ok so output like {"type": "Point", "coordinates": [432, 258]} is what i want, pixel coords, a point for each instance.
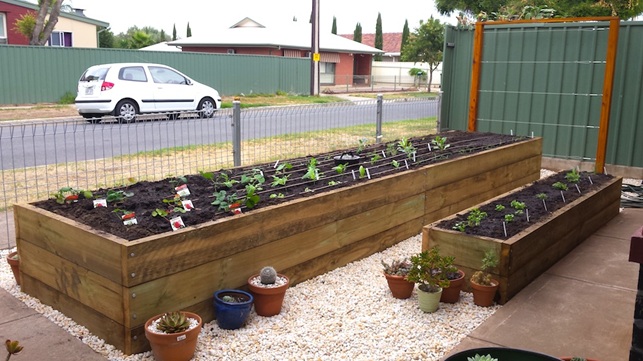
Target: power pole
{"type": "Point", "coordinates": [314, 50]}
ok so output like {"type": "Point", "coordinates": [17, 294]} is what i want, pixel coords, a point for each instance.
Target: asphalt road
{"type": "Point", "coordinates": [27, 144]}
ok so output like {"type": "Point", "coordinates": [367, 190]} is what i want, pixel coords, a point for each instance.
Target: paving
{"type": "Point", "coordinates": [583, 305]}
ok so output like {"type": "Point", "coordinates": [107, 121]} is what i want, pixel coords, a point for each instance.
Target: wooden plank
{"type": "Point", "coordinates": [62, 236]}
{"type": "Point", "coordinates": [476, 67]}
{"type": "Point", "coordinates": [78, 283]}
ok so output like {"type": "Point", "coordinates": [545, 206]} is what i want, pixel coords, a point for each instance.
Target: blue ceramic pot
{"type": "Point", "coordinates": [232, 315]}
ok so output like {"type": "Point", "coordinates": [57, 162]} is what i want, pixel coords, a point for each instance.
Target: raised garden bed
{"type": "Point", "coordinates": [112, 285]}
{"type": "Point", "coordinates": [528, 248]}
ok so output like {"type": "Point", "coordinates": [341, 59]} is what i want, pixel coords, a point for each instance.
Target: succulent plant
{"type": "Point", "coordinates": [489, 261]}
{"type": "Point", "coordinates": [481, 358]}
{"type": "Point", "coordinates": [268, 275]}
{"type": "Point", "coordinates": [173, 322]}
{"type": "Point", "coordinates": [397, 267]}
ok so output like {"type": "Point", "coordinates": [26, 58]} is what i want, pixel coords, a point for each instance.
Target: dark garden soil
{"type": "Point", "coordinates": [534, 208]}
{"type": "Point", "coordinates": [155, 204]}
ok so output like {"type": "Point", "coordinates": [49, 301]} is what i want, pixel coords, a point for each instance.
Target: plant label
{"type": "Point", "coordinates": [100, 203]}
{"type": "Point", "coordinates": [182, 190]}
{"type": "Point", "coordinates": [187, 205]}
{"type": "Point", "coordinates": [177, 223]}
{"type": "Point", "coordinates": [129, 222]}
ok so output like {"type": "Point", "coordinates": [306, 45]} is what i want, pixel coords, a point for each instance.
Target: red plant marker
{"type": "Point", "coordinates": [128, 216]}
{"type": "Point", "coordinates": [71, 197]}
{"type": "Point", "coordinates": [177, 224]}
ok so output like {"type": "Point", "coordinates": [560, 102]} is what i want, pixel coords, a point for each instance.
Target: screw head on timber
{"type": "Point", "coordinates": [133, 274]}
{"type": "Point", "coordinates": [133, 295]}
{"type": "Point", "coordinates": [133, 315]}
{"type": "Point", "coordinates": [132, 254]}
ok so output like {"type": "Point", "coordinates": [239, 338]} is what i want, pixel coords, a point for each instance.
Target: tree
{"type": "Point", "coordinates": [106, 39]}
{"type": "Point", "coordinates": [174, 32]}
{"type": "Point", "coordinates": [136, 38]}
{"type": "Point", "coordinates": [357, 34]}
{"type": "Point", "coordinates": [334, 28]}
{"type": "Point", "coordinates": [189, 31]}
{"type": "Point", "coordinates": [379, 38]}
{"type": "Point", "coordinates": [471, 7]}
{"type": "Point", "coordinates": [37, 26]}
{"type": "Point", "coordinates": [405, 36]}
{"type": "Point", "coordinates": [425, 45]}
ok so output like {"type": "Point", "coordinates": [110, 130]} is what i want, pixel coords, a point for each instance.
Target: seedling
{"type": "Point", "coordinates": [509, 217]}
{"type": "Point", "coordinates": [69, 194]}
{"type": "Point", "coordinates": [475, 217]}
{"type": "Point", "coordinates": [333, 183]}
{"type": "Point", "coordinates": [279, 181]}
{"type": "Point", "coordinates": [277, 195]}
{"type": "Point", "coordinates": [572, 176]}
{"type": "Point", "coordinates": [117, 196]}
{"type": "Point", "coordinates": [340, 168]}
{"type": "Point", "coordinates": [252, 198]}
{"type": "Point", "coordinates": [405, 146]}
{"type": "Point", "coordinates": [391, 150]}
{"type": "Point", "coordinates": [395, 163]}
{"type": "Point", "coordinates": [177, 181]}
{"type": "Point", "coordinates": [560, 186]}
{"type": "Point", "coordinates": [362, 171]}
{"type": "Point", "coordinates": [255, 177]}
{"type": "Point", "coordinates": [460, 226]}
{"type": "Point", "coordinates": [312, 172]}
{"type": "Point", "coordinates": [499, 207]}
{"type": "Point", "coordinates": [542, 197]}
{"type": "Point", "coordinates": [362, 144]}
{"type": "Point", "coordinates": [282, 167]}
{"type": "Point", "coordinates": [518, 206]}
{"type": "Point", "coordinates": [223, 200]}
{"type": "Point", "coordinates": [375, 158]}
{"type": "Point", "coordinates": [440, 142]}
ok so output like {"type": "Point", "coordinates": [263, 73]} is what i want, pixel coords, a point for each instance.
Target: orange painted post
{"type": "Point", "coordinates": [475, 77]}
{"type": "Point", "coordinates": [606, 102]}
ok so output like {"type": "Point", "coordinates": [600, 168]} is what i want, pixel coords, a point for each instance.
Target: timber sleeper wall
{"type": "Point", "coordinates": [112, 286]}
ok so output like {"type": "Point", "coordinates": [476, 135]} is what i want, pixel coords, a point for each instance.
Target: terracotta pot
{"type": "Point", "coordinates": [175, 346]}
{"type": "Point", "coordinates": [484, 295]}
{"type": "Point", "coordinates": [451, 294]}
{"type": "Point", "coordinates": [15, 266]}
{"type": "Point", "coordinates": [399, 286]}
{"type": "Point", "coordinates": [429, 301]}
{"type": "Point", "coordinates": [268, 300]}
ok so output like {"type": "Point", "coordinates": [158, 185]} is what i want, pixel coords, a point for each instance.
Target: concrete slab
{"type": "Point", "coordinates": [561, 316]}
{"type": "Point", "coordinates": [623, 225]}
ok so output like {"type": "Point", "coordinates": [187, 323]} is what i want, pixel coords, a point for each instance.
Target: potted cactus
{"type": "Point", "coordinates": [428, 272]}
{"type": "Point", "coordinates": [232, 308]}
{"type": "Point", "coordinates": [173, 335]}
{"type": "Point", "coordinates": [483, 286]}
{"type": "Point", "coordinates": [268, 288]}
{"type": "Point", "coordinates": [395, 273]}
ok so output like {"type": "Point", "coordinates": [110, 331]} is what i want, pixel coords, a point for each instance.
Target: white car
{"type": "Point", "coordinates": [127, 89]}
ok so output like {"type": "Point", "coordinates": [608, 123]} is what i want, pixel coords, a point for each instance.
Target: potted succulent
{"type": "Point", "coordinates": [14, 261]}
{"type": "Point", "coordinates": [232, 308]}
{"type": "Point", "coordinates": [427, 271]}
{"type": "Point", "coordinates": [577, 358]}
{"type": "Point", "coordinates": [499, 354]}
{"type": "Point", "coordinates": [451, 294]}
{"type": "Point", "coordinates": [173, 335]}
{"type": "Point", "coordinates": [483, 286]}
{"type": "Point", "coordinates": [395, 273]}
{"type": "Point", "coordinates": [268, 288]}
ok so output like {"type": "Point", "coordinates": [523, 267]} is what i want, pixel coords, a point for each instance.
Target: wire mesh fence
{"type": "Point", "coordinates": [40, 157]}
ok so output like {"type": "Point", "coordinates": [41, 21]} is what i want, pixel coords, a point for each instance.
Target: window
{"type": "Point", "coordinates": [3, 28]}
{"type": "Point", "coordinates": [326, 73]}
{"type": "Point", "coordinates": [166, 76]}
{"type": "Point", "coordinates": [60, 38]}
{"type": "Point", "coordinates": [133, 73]}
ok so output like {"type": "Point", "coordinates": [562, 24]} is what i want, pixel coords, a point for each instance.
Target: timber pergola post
{"type": "Point", "coordinates": [608, 80]}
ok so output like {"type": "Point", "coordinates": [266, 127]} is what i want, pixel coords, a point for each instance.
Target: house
{"type": "Point", "coordinates": [391, 44]}
{"type": "Point", "coordinates": [162, 46]}
{"type": "Point", "coordinates": [342, 61]}
{"type": "Point", "coordinates": [73, 29]}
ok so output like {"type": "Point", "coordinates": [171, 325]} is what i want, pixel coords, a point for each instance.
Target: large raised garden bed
{"type": "Point", "coordinates": [529, 248]}
{"type": "Point", "coordinates": [112, 285]}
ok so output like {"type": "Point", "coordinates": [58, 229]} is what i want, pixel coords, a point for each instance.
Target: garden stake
{"type": "Point", "coordinates": [406, 163]}
{"type": "Point", "coordinates": [353, 173]}
{"type": "Point", "coordinates": [276, 163]}
{"type": "Point", "coordinates": [413, 157]}
{"type": "Point", "coordinates": [590, 180]}
{"type": "Point", "coordinates": [504, 228]}
{"type": "Point", "coordinates": [429, 144]}
{"type": "Point", "coordinates": [532, 134]}
{"type": "Point", "coordinates": [527, 213]}
{"type": "Point", "coordinates": [545, 205]}
{"type": "Point", "coordinates": [383, 154]}
{"type": "Point", "coordinates": [562, 195]}
{"type": "Point", "coordinates": [578, 189]}
{"type": "Point", "coordinates": [511, 132]}
{"type": "Point", "coordinates": [368, 174]}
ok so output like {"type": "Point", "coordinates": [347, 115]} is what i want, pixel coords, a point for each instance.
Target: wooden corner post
{"type": "Point", "coordinates": [475, 77]}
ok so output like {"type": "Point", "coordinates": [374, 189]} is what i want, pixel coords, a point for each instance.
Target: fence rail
{"type": "Point", "coordinates": [39, 157]}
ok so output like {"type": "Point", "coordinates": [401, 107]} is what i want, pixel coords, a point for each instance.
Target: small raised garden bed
{"type": "Point", "coordinates": [527, 248]}
{"type": "Point", "coordinates": [111, 278]}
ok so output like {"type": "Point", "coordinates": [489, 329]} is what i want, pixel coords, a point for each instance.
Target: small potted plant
{"type": "Point", "coordinates": [483, 286]}
{"type": "Point", "coordinates": [14, 261]}
{"type": "Point", "coordinates": [451, 294]}
{"type": "Point", "coordinates": [268, 288]}
{"type": "Point", "coordinates": [427, 271]}
{"type": "Point", "coordinates": [395, 273]}
{"type": "Point", "coordinates": [232, 308]}
{"type": "Point", "coordinates": [173, 335]}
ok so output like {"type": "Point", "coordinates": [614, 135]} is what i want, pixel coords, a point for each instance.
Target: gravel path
{"type": "Point", "coordinates": [345, 314]}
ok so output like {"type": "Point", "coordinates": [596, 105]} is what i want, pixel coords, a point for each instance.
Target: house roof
{"type": "Point", "coordinates": [63, 14]}
{"type": "Point", "coordinates": [391, 42]}
{"type": "Point", "coordinates": [249, 33]}
{"type": "Point", "coordinates": [162, 46]}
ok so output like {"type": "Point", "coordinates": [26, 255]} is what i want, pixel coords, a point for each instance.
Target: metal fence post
{"type": "Point", "coordinates": [378, 120]}
{"type": "Point", "coordinates": [439, 124]}
{"type": "Point", "coordinates": [236, 132]}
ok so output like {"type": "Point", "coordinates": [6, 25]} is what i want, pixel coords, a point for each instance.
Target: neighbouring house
{"type": "Point", "coordinates": [162, 46]}
{"type": "Point", "coordinates": [342, 61]}
{"type": "Point", "coordinates": [391, 44]}
{"type": "Point", "coordinates": [73, 29]}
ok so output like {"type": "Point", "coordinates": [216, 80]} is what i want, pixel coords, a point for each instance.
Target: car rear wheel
{"type": "Point", "coordinates": [206, 108]}
{"type": "Point", "coordinates": [125, 111]}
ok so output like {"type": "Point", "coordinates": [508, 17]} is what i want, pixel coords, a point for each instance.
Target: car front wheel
{"type": "Point", "coordinates": [125, 111]}
{"type": "Point", "coordinates": [206, 108]}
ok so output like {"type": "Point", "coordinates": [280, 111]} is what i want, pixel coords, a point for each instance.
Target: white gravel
{"type": "Point", "coordinates": [345, 314]}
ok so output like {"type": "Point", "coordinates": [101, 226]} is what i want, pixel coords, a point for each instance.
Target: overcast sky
{"type": "Point", "coordinates": [208, 15]}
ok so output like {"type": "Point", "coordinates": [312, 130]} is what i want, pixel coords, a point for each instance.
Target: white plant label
{"type": "Point", "coordinates": [177, 223]}
{"type": "Point", "coordinates": [100, 203]}
{"type": "Point", "coordinates": [182, 190]}
{"type": "Point", "coordinates": [187, 205]}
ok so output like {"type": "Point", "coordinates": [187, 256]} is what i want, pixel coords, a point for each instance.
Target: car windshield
{"type": "Point", "coordinates": [94, 74]}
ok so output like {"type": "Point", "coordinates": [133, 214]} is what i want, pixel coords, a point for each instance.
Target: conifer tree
{"type": "Point", "coordinates": [379, 38]}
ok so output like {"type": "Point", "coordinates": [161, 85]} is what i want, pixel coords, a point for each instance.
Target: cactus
{"type": "Point", "coordinates": [173, 322]}
{"type": "Point", "coordinates": [268, 275]}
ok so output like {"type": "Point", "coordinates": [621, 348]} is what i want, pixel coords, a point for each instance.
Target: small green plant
{"type": "Point", "coordinates": [405, 146]}
{"type": "Point", "coordinates": [509, 217]}
{"type": "Point", "coordinates": [560, 186]}
{"type": "Point", "coordinates": [572, 176]}
{"type": "Point", "coordinates": [177, 181]}
{"type": "Point", "coordinates": [312, 171]}
{"type": "Point", "coordinates": [460, 226]}
{"type": "Point", "coordinates": [375, 158]}
{"type": "Point", "coordinates": [391, 149]}
{"type": "Point", "coordinates": [395, 163]}
{"type": "Point", "coordinates": [69, 194]}
{"type": "Point", "coordinates": [397, 267]}
{"type": "Point", "coordinates": [231, 299]}
{"type": "Point", "coordinates": [440, 142]}
{"type": "Point", "coordinates": [362, 171]}
{"type": "Point", "coordinates": [252, 198]}
{"type": "Point", "coordinates": [481, 358]}
{"type": "Point", "coordinates": [518, 206]}
{"type": "Point", "coordinates": [489, 262]}
{"type": "Point", "coordinates": [173, 322]}
{"type": "Point", "coordinates": [340, 168]}
{"type": "Point", "coordinates": [67, 98]}
{"type": "Point", "coordinates": [333, 183]}
{"type": "Point", "coordinates": [279, 181]}
{"type": "Point", "coordinates": [362, 145]}
{"type": "Point", "coordinates": [117, 196]}
{"type": "Point", "coordinates": [283, 167]}
{"type": "Point", "coordinates": [277, 195]}
{"type": "Point", "coordinates": [500, 207]}
{"type": "Point", "coordinates": [541, 196]}
{"type": "Point", "coordinates": [427, 270]}
{"type": "Point", "coordinates": [223, 200]}
{"type": "Point", "coordinates": [13, 348]}
{"type": "Point", "coordinates": [255, 177]}
{"type": "Point", "coordinates": [475, 217]}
